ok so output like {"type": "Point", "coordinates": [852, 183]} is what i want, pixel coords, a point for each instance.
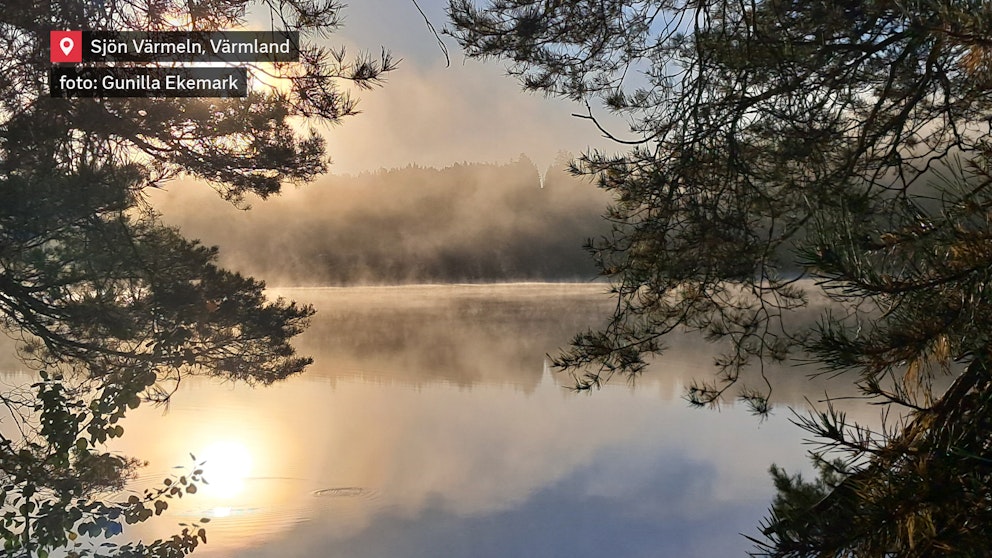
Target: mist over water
{"type": "Point", "coordinates": [464, 335]}
{"type": "Point", "coordinates": [430, 425]}
{"type": "Point", "coordinates": [465, 223]}
{"type": "Point", "coordinates": [484, 336]}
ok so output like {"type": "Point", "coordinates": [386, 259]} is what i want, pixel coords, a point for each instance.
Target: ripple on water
{"type": "Point", "coordinates": [346, 492]}
{"type": "Point", "coordinates": [272, 506]}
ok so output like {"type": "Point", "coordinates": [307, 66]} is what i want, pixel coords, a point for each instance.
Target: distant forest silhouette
{"type": "Point", "coordinates": [471, 222]}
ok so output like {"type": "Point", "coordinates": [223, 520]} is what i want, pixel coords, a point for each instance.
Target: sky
{"type": "Point", "coordinates": [432, 115]}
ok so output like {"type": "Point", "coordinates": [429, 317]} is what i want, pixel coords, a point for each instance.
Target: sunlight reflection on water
{"type": "Point", "coordinates": [431, 425]}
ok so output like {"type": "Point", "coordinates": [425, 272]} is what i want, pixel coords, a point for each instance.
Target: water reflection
{"type": "Point", "coordinates": [429, 425]}
{"type": "Point", "coordinates": [500, 335]}
{"type": "Point", "coordinates": [463, 335]}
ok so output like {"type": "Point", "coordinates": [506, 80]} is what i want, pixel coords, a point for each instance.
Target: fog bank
{"type": "Point", "coordinates": [465, 223]}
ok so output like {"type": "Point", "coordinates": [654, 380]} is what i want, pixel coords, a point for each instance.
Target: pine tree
{"type": "Point", "coordinates": [112, 307]}
{"type": "Point", "coordinates": [779, 151]}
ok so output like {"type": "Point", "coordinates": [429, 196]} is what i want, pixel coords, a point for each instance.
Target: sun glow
{"type": "Point", "coordinates": [226, 466]}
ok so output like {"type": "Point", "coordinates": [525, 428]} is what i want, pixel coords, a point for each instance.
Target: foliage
{"type": "Point", "coordinates": [794, 495]}
{"type": "Point", "coordinates": [781, 151]}
{"type": "Point", "coordinates": [922, 490]}
{"type": "Point", "coordinates": [110, 306]}
{"type": "Point", "coordinates": [779, 141]}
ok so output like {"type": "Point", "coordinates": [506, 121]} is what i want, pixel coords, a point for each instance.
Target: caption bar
{"type": "Point", "coordinates": [148, 82]}
{"type": "Point", "coordinates": [174, 46]}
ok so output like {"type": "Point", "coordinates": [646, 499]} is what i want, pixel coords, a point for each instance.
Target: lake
{"type": "Point", "coordinates": [430, 424]}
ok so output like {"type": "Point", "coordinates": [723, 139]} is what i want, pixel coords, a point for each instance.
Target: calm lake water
{"type": "Point", "coordinates": [430, 425]}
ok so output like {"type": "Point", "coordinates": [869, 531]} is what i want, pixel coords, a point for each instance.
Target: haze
{"type": "Point", "coordinates": [464, 223]}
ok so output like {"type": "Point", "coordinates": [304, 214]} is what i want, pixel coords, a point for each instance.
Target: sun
{"type": "Point", "coordinates": [226, 466]}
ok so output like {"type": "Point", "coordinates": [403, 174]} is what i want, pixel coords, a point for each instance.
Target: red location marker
{"type": "Point", "coordinates": [66, 46]}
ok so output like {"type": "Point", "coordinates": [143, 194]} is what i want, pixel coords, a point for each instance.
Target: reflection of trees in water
{"type": "Point", "coordinates": [471, 335]}
{"type": "Point", "coordinates": [110, 307]}
{"type": "Point", "coordinates": [462, 335]}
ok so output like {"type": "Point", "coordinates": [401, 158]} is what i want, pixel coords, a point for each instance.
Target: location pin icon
{"type": "Point", "coordinates": [66, 45]}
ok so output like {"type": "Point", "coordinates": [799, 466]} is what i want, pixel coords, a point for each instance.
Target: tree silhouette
{"type": "Point", "coordinates": [781, 150]}
{"type": "Point", "coordinates": [111, 306]}
{"type": "Point", "coordinates": [922, 490]}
